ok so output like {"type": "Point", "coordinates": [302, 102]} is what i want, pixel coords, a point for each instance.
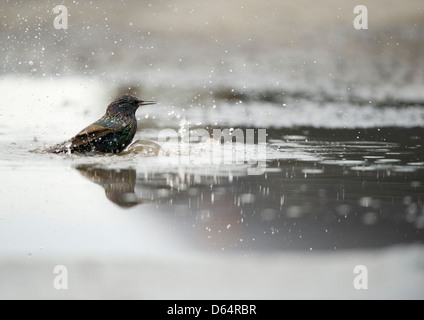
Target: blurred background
{"type": "Point", "coordinates": [304, 62]}
{"type": "Point", "coordinates": [344, 113]}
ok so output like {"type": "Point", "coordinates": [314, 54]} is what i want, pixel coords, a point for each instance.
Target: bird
{"type": "Point", "coordinates": [110, 134]}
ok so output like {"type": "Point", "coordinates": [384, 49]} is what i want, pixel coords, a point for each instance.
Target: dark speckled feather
{"type": "Point", "coordinates": [110, 134]}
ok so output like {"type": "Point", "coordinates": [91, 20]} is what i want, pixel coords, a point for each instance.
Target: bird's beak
{"type": "Point", "coordinates": [145, 103]}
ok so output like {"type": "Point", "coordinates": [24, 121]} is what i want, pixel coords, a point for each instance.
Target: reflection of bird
{"type": "Point", "coordinates": [110, 134]}
{"type": "Point", "coordinates": [118, 184]}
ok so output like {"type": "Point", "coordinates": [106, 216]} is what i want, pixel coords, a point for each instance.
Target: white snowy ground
{"type": "Point", "coordinates": [396, 273]}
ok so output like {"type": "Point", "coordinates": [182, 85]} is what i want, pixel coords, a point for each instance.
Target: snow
{"type": "Point", "coordinates": [394, 273]}
{"type": "Point", "coordinates": [57, 108]}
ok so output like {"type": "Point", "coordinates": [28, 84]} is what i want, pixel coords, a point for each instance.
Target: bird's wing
{"type": "Point", "coordinates": [86, 137]}
{"type": "Point", "coordinates": [92, 132]}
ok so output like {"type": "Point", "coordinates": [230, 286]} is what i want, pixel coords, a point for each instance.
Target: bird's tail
{"type": "Point", "coordinates": [64, 147]}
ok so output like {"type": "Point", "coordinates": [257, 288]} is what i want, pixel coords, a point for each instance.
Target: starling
{"type": "Point", "coordinates": [110, 134]}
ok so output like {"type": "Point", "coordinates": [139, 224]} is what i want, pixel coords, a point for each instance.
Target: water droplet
{"type": "Point", "coordinates": [369, 218]}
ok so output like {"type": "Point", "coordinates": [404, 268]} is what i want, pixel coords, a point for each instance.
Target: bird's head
{"type": "Point", "coordinates": [126, 105]}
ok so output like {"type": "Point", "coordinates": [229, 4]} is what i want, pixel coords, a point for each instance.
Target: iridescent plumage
{"type": "Point", "coordinates": [110, 134]}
